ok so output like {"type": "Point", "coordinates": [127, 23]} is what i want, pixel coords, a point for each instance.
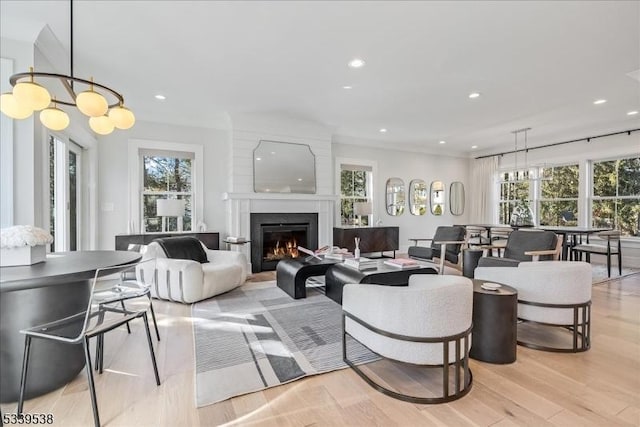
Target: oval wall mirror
{"type": "Point", "coordinates": [418, 197]}
{"type": "Point", "coordinates": [395, 196]}
{"type": "Point", "coordinates": [437, 198]}
{"type": "Point", "coordinates": [456, 198]}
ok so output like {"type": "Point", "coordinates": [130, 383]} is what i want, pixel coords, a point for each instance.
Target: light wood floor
{"type": "Point", "coordinates": [600, 387]}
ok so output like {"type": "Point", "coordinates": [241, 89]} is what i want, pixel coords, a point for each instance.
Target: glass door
{"type": "Point", "coordinates": [65, 162]}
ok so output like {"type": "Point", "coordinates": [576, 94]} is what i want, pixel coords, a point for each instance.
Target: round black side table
{"type": "Point", "coordinates": [494, 334]}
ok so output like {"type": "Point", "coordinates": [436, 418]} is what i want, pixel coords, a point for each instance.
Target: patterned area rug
{"type": "Point", "coordinates": [256, 337]}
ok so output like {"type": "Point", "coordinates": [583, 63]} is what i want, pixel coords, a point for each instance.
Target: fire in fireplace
{"type": "Point", "coordinates": [276, 236]}
{"type": "Point", "coordinates": [285, 248]}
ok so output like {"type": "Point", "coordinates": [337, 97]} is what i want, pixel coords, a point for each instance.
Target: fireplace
{"type": "Point", "coordinates": [276, 236]}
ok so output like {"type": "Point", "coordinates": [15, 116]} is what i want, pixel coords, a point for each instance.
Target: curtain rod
{"type": "Point", "coordinates": [628, 132]}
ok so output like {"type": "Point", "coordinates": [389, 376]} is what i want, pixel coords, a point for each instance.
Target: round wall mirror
{"type": "Point", "coordinates": [418, 197]}
{"type": "Point", "coordinates": [437, 198]}
{"type": "Point", "coordinates": [395, 196]}
{"type": "Point", "coordinates": [456, 198]}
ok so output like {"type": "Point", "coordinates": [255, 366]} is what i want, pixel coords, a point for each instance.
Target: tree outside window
{"type": "Point", "coordinates": [512, 193]}
{"type": "Point", "coordinates": [558, 203]}
{"type": "Point", "coordinates": [616, 195]}
{"type": "Point", "coordinates": [355, 186]}
{"type": "Point", "coordinates": [166, 176]}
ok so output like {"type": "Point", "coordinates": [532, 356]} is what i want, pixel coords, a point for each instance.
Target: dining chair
{"type": "Point", "coordinates": [98, 318]}
{"type": "Point", "coordinates": [612, 247]}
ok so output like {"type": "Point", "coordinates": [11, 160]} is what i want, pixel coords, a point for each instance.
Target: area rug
{"type": "Point", "coordinates": [257, 336]}
{"type": "Point", "coordinates": [599, 273]}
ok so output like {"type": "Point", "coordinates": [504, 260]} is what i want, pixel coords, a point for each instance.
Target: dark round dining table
{"type": "Point", "coordinates": [34, 294]}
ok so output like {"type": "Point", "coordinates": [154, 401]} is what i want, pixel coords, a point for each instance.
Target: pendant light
{"type": "Point", "coordinates": [103, 105]}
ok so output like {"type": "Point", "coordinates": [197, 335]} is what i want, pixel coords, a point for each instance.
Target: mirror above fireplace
{"type": "Point", "coordinates": [283, 167]}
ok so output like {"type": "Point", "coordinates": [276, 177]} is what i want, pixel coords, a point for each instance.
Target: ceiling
{"type": "Point", "coordinates": [536, 64]}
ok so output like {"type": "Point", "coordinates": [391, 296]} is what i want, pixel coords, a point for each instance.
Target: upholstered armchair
{"type": "Point", "coordinates": [552, 293]}
{"type": "Point", "coordinates": [427, 323]}
{"type": "Point", "coordinates": [446, 245]}
{"type": "Point", "coordinates": [524, 245]}
{"type": "Point", "coordinates": [186, 271]}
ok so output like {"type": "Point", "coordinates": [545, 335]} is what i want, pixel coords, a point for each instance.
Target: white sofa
{"type": "Point", "coordinates": [409, 325]}
{"type": "Point", "coordinates": [555, 293]}
{"type": "Point", "coordinates": [187, 281]}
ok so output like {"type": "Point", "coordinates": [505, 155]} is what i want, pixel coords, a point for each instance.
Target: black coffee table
{"type": "Point", "coordinates": [292, 274]}
{"type": "Point", "coordinates": [494, 334]}
{"type": "Point", "coordinates": [340, 274]}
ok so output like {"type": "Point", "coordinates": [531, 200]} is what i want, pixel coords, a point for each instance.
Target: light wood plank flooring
{"type": "Point", "coordinates": [598, 388]}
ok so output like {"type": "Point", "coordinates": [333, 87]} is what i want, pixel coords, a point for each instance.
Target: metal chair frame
{"type": "Point", "coordinates": [459, 364]}
{"type": "Point", "coordinates": [581, 327]}
{"type": "Point", "coordinates": [96, 312]}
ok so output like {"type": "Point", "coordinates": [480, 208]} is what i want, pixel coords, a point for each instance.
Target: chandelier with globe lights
{"type": "Point", "coordinates": [103, 105]}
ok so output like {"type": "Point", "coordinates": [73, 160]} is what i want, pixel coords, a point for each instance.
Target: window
{"type": "Point", "coordinates": [166, 175]}
{"type": "Point", "coordinates": [558, 200]}
{"type": "Point", "coordinates": [616, 195]}
{"type": "Point", "coordinates": [511, 194]}
{"type": "Point", "coordinates": [355, 186]}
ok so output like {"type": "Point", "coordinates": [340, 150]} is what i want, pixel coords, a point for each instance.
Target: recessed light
{"type": "Point", "coordinates": [258, 158]}
{"type": "Point", "coordinates": [474, 147]}
{"type": "Point", "coordinates": [600, 101]}
{"type": "Point", "coordinates": [356, 63]}
{"type": "Point", "coordinates": [347, 87]}
{"type": "Point", "coordinates": [473, 95]}
{"type": "Point", "coordinates": [160, 97]}
{"type": "Point", "coordinates": [383, 130]}
{"type": "Point", "coordinates": [273, 152]}
{"type": "Point", "coordinates": [299, 179]}
{"type": "Point", "coordinates": [443, 142]}
{"type": "Point", "coordinates": [632, 113]}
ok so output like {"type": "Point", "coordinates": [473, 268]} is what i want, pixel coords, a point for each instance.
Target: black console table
{"type": "Point", "coordinates": [210, 240]}
{"type": "Point", "coordinates": [372, 239]}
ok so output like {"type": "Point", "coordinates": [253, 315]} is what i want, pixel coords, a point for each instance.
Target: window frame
{"type": "Point", "coordinates": [137, 149]}
{"type": "Point", "coordinates": [371, 186]}
{"type": "Point", "coordinates": [592, 197]}
{"type": "Point", "coordinates": [538, 199]}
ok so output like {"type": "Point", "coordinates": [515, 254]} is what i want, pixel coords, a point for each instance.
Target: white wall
{"type": "Point", "coordinates": [113, 179]}
{"type": "Point", "coordinates": [25, 204]}
{"type": "Point", "coordinates": [409, 165]}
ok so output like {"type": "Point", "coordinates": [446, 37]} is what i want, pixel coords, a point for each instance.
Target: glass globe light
{"type": "Point", "coordinates": [9, 106]}
{"type": "Point", "coordinates": [122, 117]}
{"type": "Point", "coordinates": [91, 103]}
{"type": "Point", "coordinates": [101, 125]}
{"type": "Point", "coordinates": [54, 118]}
{"type": "Point", "coordinates": [31, 95]}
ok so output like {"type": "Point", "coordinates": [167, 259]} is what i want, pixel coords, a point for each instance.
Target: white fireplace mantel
{"type": "Point", "coordinates": [240, 206]}
{"type": "Point", "coordinates": [279, 196]}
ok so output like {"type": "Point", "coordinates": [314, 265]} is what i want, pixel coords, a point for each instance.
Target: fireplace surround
{"type": "Point", "coordinates": [276, 236]}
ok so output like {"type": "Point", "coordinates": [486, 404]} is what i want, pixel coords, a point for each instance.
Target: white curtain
{"type": "Point", "coordinates": [483, 176]}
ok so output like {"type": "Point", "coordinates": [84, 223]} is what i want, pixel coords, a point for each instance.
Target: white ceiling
{"type": "Point", "coordinates": [537, 64]}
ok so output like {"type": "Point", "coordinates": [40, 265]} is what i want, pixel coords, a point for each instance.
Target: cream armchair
{"type": "Point", "coordinates": [550, 293]}
{"type": "Point", "coordinates": [188, 280]}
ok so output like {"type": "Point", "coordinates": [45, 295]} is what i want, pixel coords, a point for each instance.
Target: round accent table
{"type": "Point", "coordinates": [34, 294]}
{"type": "Point", "coordinates": [494, 334]}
